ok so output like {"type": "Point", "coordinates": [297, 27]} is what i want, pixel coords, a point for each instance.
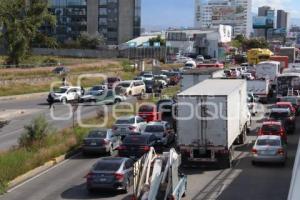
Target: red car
{"type": "Point", "coordinates": [286, 105]}
{"type": "Point", "coordinates": [273, 128]}
{"type": "Point", "coordinates": [148, 113]}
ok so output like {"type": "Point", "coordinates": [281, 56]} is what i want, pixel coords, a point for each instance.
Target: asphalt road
{"type": "Point", "coordinates": [21, 112]}
{"type": "Point", "coordinates": [242, 182]}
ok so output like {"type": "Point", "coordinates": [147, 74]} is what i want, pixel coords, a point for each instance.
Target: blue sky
{"type": "Point", "coordinates": [164, 13]}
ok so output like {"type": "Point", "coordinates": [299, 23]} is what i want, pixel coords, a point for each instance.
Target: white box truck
{"type": "Point", "coordinates": [211, 116]}
{"type": "Point", "coordinates": [195, 76]}
{"type": "Point", "coordinates": [259, 88]}
{"type": "Point", "coordinates": [267, 70]}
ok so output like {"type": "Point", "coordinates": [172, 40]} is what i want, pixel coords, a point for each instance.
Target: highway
{"type": "Point", "coordinates": [242, 182]}
{"type": "Point", "coordinates": [21, 112]}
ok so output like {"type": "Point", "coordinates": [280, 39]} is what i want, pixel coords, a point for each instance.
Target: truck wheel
{"type": "Point", "coordinates": [225, 162]}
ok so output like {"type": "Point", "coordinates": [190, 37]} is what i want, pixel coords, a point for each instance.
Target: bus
{"type": "Point", "coordinates": [288, 84]}
{"type": "Point", "coordinates": [256, 56]}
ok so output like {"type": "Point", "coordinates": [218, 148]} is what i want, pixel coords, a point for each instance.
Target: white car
{"type": "Point", "coordinates": [248, 76]}
{"type": "Point", "coordinates": [129, 125]}
{"type": "Point", "coordinates": [131, 88]}
{"type": "Point", "coordinates": [65, 94]}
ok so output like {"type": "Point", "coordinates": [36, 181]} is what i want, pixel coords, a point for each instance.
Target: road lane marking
{"type": "Point", "coordinates": [42, 173]}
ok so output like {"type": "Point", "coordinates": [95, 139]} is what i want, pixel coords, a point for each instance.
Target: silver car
{"type": "Point", "coordinates": [128, 125]}
{"type": "Point", "coordinates": [101, 141]}
{"type": "Point", "coordinates": [162, 130]}
{"type": "Point", "coordinates": [269, 149]}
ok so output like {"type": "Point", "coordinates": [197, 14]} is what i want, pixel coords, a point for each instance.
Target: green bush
{"type": "Point", "coordinates": [50, 62]}
{"type": "Point", "coordinates": [35, 132]}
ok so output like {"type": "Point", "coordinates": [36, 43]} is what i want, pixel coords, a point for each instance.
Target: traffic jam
{"type": "Point", "coordinates": [212, 113]}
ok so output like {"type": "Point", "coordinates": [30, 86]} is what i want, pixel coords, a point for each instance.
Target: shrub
{"type": "Point", "coordinates": [35, 132]}
{"type": "Point", "coordinates": [51, 61]}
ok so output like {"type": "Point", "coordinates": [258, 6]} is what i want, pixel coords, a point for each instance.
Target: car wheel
{"type": "Point", "coordinates": [253, 163]}
{"type": "Point", "coordinates": [117, 101]}
{"type": "Point", "coordinates": [129, 93]}
{"type": "Point", "coordinates": [90, 190]}
{"type": "Point", "coordinates": [110, 151]}
{"type": "Point", "coordinates": [64, 101]}
{"type": "Point", "coordinates": [126, 186]}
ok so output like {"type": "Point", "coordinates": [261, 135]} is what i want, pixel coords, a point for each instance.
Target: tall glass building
{"type": "Point", "coordinates": [117, 20]}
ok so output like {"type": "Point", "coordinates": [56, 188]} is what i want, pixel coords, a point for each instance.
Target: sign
{"type": "Point", "coordinates": [270, 19]}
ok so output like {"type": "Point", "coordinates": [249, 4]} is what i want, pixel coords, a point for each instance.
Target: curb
{"type": "Point", "coordinates": [32, 173]}
{"type": "Point", "coordinates": [23, 96]}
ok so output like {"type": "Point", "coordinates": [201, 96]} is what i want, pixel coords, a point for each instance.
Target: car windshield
{"type": "Point", "coordinates": [97, 134]}
{"type": "Point", "coordinates": [125, 121]}
{"type": "Point", "coordinates": [61, 90]}
{"type": "Point", "coordinates": [268, 142]}
{"type": "Point", "coordinates": [278, 115]}
{"type": "Point", "coordinates": [148, 82]}
{"type": "Point", "coordinates": [154, 128]}
{"type": "Point", "coordinates": [107, 166]}
{"type": "Point", "coordinates": [292, 100]}
{"type": "Point", "coordinates": [124, 85]}
{"type": "Point", "coordinates": [148, 75]}
{"type": "Point", "coordinates": [146, 109]}
{"type": "Point", "coordinates": [96, 88]}
{"type": "Point", "coordinates": [135, 140]}
{"type": "Point", "coordinates": [270, 128]}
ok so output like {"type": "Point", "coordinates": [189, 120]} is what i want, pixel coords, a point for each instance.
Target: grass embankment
{"type": "Point", "coordinates": [114, 68]}
{"type": "Point", "coordinates": [20, 160]}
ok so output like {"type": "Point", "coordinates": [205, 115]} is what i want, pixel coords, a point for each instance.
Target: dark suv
{"type": "Point", "coordinates": [286, 117]}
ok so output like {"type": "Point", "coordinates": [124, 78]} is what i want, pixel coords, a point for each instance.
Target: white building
{"type": "Point", "coordinates": [208, 42]}
{"type": "Point", "coordinates": [236, 13]}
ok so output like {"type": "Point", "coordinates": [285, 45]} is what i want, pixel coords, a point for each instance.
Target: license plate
{"type": "Point", "coordinates": [101, 179]}
{"type": "Point", "coordinates": [123, 129]}
{"type": "Point", "coordinates": [267, 152]}
{"type": "Point", "coordinates": [93, 143]}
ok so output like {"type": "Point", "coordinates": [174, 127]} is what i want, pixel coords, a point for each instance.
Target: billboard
{"type": "Point", "coordinates": [228, 14]}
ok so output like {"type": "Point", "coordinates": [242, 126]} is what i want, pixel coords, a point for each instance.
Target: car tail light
{"type": "Point", "coordinates": [223, 151]}
{"type": "Point", "coordinates": [119, 176]}
{"type": "Point", "coordinates": [121, 148]}
{"type": "Point", "coordinates": [105, 141]}
{"type": "Point", "coordinates": [132, 128]}
{"type": "Point", "coordinates": [171, 197]}
{"type": "Point", "coordinates": [145, 148]}
{"type": "Point", "coordinates": [254, 151]}
{"type": "Point", "coordinates": [280, 151]}
{"type": "Point", "coordinates": [89, 175]}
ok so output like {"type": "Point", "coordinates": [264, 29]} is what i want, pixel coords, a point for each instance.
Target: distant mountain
{"type": "Point", "coordinates": [295, 21]}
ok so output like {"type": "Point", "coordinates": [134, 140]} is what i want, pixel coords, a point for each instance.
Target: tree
{"type": "Point", "coordinates": [157, 39]}
{"type": "Point", "coordinates": [255, 43]}
{"type": "Point", "coordinates": [20, 21]}
{"type": "Point", "coordinates": [90, 42]}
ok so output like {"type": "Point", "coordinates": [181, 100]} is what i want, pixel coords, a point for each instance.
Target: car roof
{"type": "Point", "coordinates": [69, 87]}
{"type": "Point", "coordinates": [284, 103]}
{"type": "Point", "coordinates": [127, 117]}
{"type": "Point", "coordinates": [270, 137]}
{"type": "Point", "coordinates": [113, 159]}
{"type": "Point", "coordinates": [280, 110]}
{"type": "Point", "coordinates": [271, 122]}
{"type": "Point", "coordinates": [157, 123]}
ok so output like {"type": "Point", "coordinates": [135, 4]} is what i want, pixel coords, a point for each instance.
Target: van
{"type": "Point", "coordinates": [132, 88]}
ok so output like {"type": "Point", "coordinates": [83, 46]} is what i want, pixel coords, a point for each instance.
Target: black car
{"type": "Point", "coordinates": [149, 86]}
{"type": "Point", "coordinates": [110, 173]}
{"type": "Point", "coordinates": [136, 145]}
{"type": "Point", "coordinates": [286, 117]}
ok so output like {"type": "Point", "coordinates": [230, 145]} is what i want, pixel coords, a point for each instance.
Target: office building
{"type": "Point", "coordinates": [282, 20]}
{"type": "Point", "coordinates": [262, 12]}
{"type": "Point", "coordinates": [117, 20]}
{"type": "Point", "coordinates": [236, 13]}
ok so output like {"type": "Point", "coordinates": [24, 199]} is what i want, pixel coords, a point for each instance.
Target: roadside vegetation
{"type": "Point", "coordinates": [41, 143]}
